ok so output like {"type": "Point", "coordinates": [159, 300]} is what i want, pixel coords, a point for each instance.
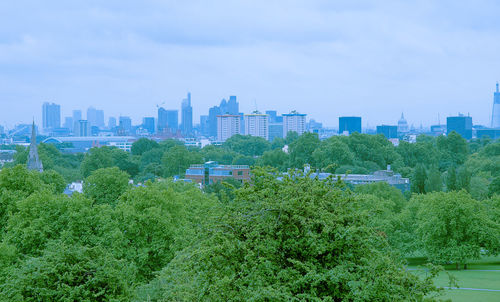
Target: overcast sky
{"type": "Point", "coordinates": [329, 58]}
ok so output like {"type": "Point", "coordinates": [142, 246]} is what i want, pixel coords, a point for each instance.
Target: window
{"type": "Point", "coordinates": [240, 173]}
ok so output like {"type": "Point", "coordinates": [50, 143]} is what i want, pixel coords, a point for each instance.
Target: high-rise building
{"type": "Point", "coordinates": [403, 125]}
{"type": "Point", "coordinates": [77, 116]}
{"type": "Point", "coordinates": [275, 130]}
{"type": "Point", "coordinates": [257, 124]}
{"type": "Point", "coordinates": [295, 122]}
{"type": "Point", "coordinates": [125, 123]}
{"type": "Point", "coordinates": [83, 128]}
{"type": "Point", "coordinates": [168, 120]}
{"type": "Point", "coordinates": [51, 116]}
{"type": "Point", "coordinates": [212, 120]}
{"type": "Point", "coordinates": [495, 115]}
{"type": "Point", "coordinates": [68, 123]}
{"type": "Point", "coordinates": [272, 114]}
{"type": "Point", "coordinates": [95, 117]}
{"type": "Point", "coordinates": [148, 123]}
{"type": "Point", "coordinates": [187, 116]}
{"type": "Point", "coordinates": [112, 122]}
{"type": "Point", "coordinates": [227, 126]}
{"type": "Point", "coordinates": [388, 131]}
{"type": "Point", "coordinates": [460, 124]}
{"type": "Point", "coordinates": [349, 124]}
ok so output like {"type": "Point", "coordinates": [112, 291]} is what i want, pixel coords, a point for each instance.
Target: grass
{"type": "Point", "coordinates": [473, 277]}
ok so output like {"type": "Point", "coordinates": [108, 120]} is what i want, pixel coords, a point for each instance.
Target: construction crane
{"type": "Point", "coordinates": [158, 105]}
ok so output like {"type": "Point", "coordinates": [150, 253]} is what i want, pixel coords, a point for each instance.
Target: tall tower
{"type": "Point", "coordinates": [187, 116]}
{"type": "Point", "coordinates": [34, 162]}
{"type": "Point", "coordinates": [495, 116]}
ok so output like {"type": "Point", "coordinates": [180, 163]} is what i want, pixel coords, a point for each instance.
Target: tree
{"type": "Point", "coordinates": [143, 145]}
{"type": "Point", "coordinates": [96, 158]}
{"type": "Point", "coordinates": [247, 145]}
{"type": "Point", "coordinates": [274, 158]}
{"type": "Point", "coordinates": [453, 227]}
{"type": "Point", "coordinates": [54, 179]}
{"type": "Point", "coordinates": [463, 179]}
{"type": "Point", "coordinates": [451, 179]}
{"type": "Point", "coordinates": [302, 149]}
{"type": "Point", "coordinates": [419, 179]}
{"type": "Point", "coordinates": [104, 186]}
{"type": "Point", "coordinates": [122, 160]}
{"type": "Point", "coordinates": [434, 182]}
{"type": "Point", "coordinates": [275, 244]}
{"type": "Point", "coordinates": [177, 159]}
{"type": "Point", "coordinates": [494, 187]}
{"type": "Point", "coordinates": [332, 152]}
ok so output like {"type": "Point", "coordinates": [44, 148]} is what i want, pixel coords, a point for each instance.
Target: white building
{"type": "Point", "coordinates": [227, 126]}
{"type": "Point", "coordinates": [294, 121]}
{"type": "Point", "coordinates": [257, 124]}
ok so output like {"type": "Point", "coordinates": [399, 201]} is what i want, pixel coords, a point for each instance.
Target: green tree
{"type": "Point", "coordinates": [494, 187]}
{"type": "Point", "coordinates": [463, 179]}
{"type": "Point", "coordinates": [451, 179]}
{"type": "Point", "coordinates": [302, 149]}
{"type": "Point", "coordinates": [54, 179]}
{"type": "Point", "coordinates": [434, 182]}
{"type": "Point", "coordinates": [104, 186]}
{"type": "Point", "coordinates": [177, 159]}
{"type": "Point", "coordinates": [274, 158]}
{"type": "Point", "coordinates": [247, 145]}
{"type": "Point", "coordinates": [143, 145]}
{"type": "Point", "coordinates": [419, 179]}
{"type": "Point", "coordinates": [453, 227]}
{"type": "Point", "coordinates": [122, 160]}
{"type": "Point", "coordinates": [96, 158]}
{"type": "Point", "coordinates": [333, 151]}
{"type": "Point", "coordinates": [275, 244]}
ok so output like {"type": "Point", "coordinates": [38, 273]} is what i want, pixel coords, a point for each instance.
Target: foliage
{"type": "Point", "coordinates": [247, 145]}
{"type": "Point", "coordinates": [54, 179]}
{"type": "Point", "coordinates": [105, 185]}
{"type": "Point", "coordinates": [143, 145]}
{"type": "Point", "coordinates": [301, 150]}
{"type": "Point", "coordinates": [274, 158]}
{"type": "Point", "coordinates": [177, 159]}
{"type": "Point", "coordinates": [96, 158]}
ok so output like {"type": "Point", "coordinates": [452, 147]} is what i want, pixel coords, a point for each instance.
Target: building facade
{"type": "Point", "coordinates": [227, 126]}
{"type": "Point", "coordinates": [495, 115]}
{"type": "Point", "coordinates": [294, 122]}
{"type": "Point", "coordinates": [211, 172]}
{"type": "Point", "coordinates": [349, 124]}
{"type": "Point", "coordinates": [460, 124]}
{"type": "Point", "coordinates": [187, 116]}
{"type": "Point", "coordinates": [148, 123]}
{"type": "Point", "coordinates": [388, 131]}
{"type": "Point", "coordinates": [257, 124]}
{"type": "Point", "coordinates": [403, 125]}
{"type": "Point", "coordinates": [168, 120]}
{"type": "Point", "coordinates": [51, 116]}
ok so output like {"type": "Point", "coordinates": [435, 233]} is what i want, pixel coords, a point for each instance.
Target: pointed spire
{"type": "Point", "coordinates": [402, 116]}
{"type": "Point", "coordinates": [34, 162]}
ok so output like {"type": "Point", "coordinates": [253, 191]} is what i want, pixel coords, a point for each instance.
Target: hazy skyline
{"type": "Point", "coordinates": [324, 58]}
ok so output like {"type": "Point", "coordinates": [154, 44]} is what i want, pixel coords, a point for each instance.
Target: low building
{"type": "Point", "coordinates": [80, 144]}
{"type": "Point", "coordinates": [211, 172]}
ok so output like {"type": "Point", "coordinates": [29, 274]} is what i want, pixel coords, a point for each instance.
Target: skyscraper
{"type": "Point", "coordinates": [148, 123]}
{"type": "Point", "coordinates": [168, 120]}
{"type": "Point", "coordinates": [111, 122]}
{"type": "Point", "coordinates": [495, 115]}
{"type": "Point", "coordinates": [349, 124]}
{"type": "Point", "coordinates": [187, 116]}
{"type": "Point", "coordinates": [77, 116]}
{"type": "Point", "coordinates": [83, 128]}
{"type": "Point", "coordinates": [227, 126]}
{"type": "Point", "coordinates": [68, 123]}
{"type": "Point", "coordinates": [295, 122]}
{"type": "Point", "coordinates": [204, 125]}
{"type": "Point", "coordinates": [388, 131]}
{"type": "Point", "coordinates": [95, 117]}
{"type": "Point", "coordinates": [51, 116]}
{"type": "Point", "coordinates": [125, 123]}
{"type": "Point", "coordinates": [257, 124]}
{"type": "Point", "coordinates": [460, 124]}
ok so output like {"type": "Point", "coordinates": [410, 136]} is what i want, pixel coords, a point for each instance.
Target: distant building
{"type": "Point", "coordinates": [79, 144]}
{"type": "Point", "coordinates": [51, 116]}
{"type": "Point", "coordinates": [168, 120]}
{"type": "Point", "coordinates": [438, 130]}
{"type": "Point", "coordinates": [230, 107]}
{"type": "Point", "coordinates": [314, 126]}
{"type": "Point", "coordinates": [403, 125]}
{"type": "Point", "coordinates": [148, 123]}
{"type": "Point", "coordinates": [68, 123]}
{"type": "Point", "coordinates": [187, 116]}
{"type": "Point", "coordinates": [125, 123]}
{"type": "Point", "coordinates": [95, 117]}
{"type": "Point", "coordinates": [257, 124]}
{"type": "Point", "coordinates": [294, 122]}
{"type": "Point", "coordinates": [83, 128]}
{"type": "Point", "coordinates": [34, 162]}
{"type": "Point", "coordinates": [388, 131]}
{"type": "Point", "coordinates": [211, 172]}
{"type": "Point", "coordinates": [204, 125]}
{"type": "Point", "coordinates": [460, 124]}
{"type": "Point", "coordinates": [111, 122]}
{"type": "Point", "coordinates": [495, 115]}
{"type": "Point", "coordinates": [349, 124]}
{"type": "Point", "coordinates": [491, 133]}
{"type": "Point", "coordinates": [272, 115]}
{"type": "Point", "coordinates": [227, 126]}
{"type": "Point", "coordinates": [275, 130]}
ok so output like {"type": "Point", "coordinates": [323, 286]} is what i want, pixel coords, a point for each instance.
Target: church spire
{"type": "Point", "coordinates": [34, 162]}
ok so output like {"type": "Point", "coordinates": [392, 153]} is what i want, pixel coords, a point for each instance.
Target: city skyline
{"type": "Point", "coordinates": [370, 58]}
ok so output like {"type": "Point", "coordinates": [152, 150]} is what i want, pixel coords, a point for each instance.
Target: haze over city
{"type": "Point", "coordinates": [370, 59]}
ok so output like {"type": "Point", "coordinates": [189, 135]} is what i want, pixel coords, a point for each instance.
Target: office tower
{"type": "Point", "coordinates": [295, 122]}
{"type": "Point", "coordinates": [212, 120]}
{"type": "Point", "coordinates": [460, 124]}
{"type": "Point", "coordinates": [148, 123]}
{"type": "Point", "coordinates": [168, 120]}
{"type": "Point", "coordinates": [51, 116]}
{"type": "Point", "coordinates": [111, 122]}
{"type": "Point", "coordinates": [229, 107]}
{"type": "Point", "coordinates": [314, 126]}
{"type": "Point", "coordinates": [77, 115]}
{"type": "Point", "coordinates": [349, 124]}
{"type": "Point", "coordinates": [227, 126]}
{"type": "Point", "coordinates": [187, 116]}
{"type": "Point", "coordinates": [125, 123]}
{"type": "Point", "coordinates": [204, 125]}
{"type": "Point", "coordinates": [257, 124]}
{"type": "Point", "coordinates": [95, 117]}
{"type": "Point", "coordinates": [83, 128]}
{"type": "Point", "coordinates": [403, 125]}
{"type": "Point", "coordinates": [388, 131]}
{"type": "Point", "coordinates": [495, 115]}
{"type": "Point", "coordinates": [272, 114]}
{"type": "Point", "coordinates": [275, 130]}
{"type": "Point", "coordinates": [68, 123]}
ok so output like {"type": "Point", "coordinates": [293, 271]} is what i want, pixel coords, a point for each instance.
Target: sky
{"type": "Point", "coordinates": [373, 59]}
